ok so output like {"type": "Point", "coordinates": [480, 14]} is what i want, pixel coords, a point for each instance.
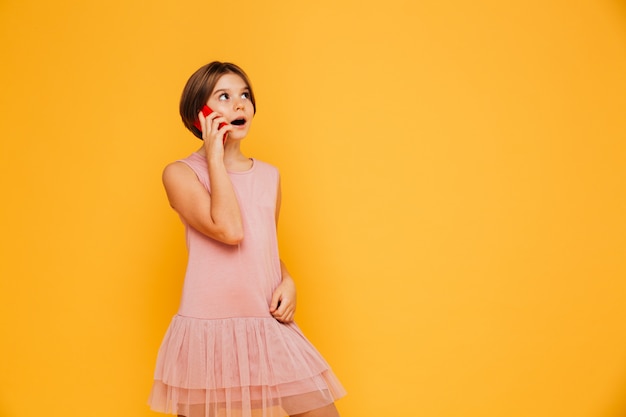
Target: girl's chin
{"type": "Point", "coordinates": [234, 137]}
{"type": "Point", "coordinates": [238, 134]}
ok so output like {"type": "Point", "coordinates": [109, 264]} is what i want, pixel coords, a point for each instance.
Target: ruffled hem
{"type": "Point", "coordinates": [240, 367]}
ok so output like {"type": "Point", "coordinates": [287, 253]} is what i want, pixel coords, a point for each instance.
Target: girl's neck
{"type": "Point", "coordinates": [234, 159]}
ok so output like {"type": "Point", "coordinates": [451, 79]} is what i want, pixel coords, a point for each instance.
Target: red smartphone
{"type": "Point", "coordinates": [206, 110]}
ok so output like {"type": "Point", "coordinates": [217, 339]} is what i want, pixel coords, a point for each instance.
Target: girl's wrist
{"type": "Point", "coordinates": [214, 159]}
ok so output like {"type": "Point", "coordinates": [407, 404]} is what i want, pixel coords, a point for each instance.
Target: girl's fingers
{"type": "Point", "coordinates": [274, 302]}
{"type": "Point", "coordinates": [202, 121]}
{"type": "Point", "coordinates": [284, 313]}
{"type": "Point", "coordinates": [205, 123]}
{"type": "Point", "coordinates": [208, 121]}
{"type": "Point", "coordinates": [211, 126]}
{"type": "Point", "coordinates": [287, 317]}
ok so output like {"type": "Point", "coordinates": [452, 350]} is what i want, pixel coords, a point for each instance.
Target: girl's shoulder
{"type": "Point", "coordinates": [186, 169]}
{"type": "Point", "coordinates": [194, 161]}
{"type": "Point", "coordinates": [264, 165]}
{"type": "Point", "coordinates": [266, 169]}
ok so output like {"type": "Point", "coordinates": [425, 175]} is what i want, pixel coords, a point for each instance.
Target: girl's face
{"type": "Point", "coordinates": [231, 99]}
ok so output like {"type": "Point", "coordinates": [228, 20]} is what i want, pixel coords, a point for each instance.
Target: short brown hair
{"type": "Point", "coordinates": [200, 86]}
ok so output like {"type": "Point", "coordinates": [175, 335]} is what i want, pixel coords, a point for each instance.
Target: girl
{"type": "Point", "coordinates": [233, 348]}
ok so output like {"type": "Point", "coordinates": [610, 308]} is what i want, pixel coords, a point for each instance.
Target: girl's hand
{"type": "Point", "coordinates": [283, 305]}
{"type": "Point", "coordinates": [212, 135]}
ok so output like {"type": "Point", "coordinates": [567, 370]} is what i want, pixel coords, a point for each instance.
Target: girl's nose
{"type": "Point", "coordinates": [239, 105]}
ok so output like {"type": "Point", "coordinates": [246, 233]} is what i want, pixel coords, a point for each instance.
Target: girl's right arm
{"type": "Point", "coordinates": [217, 214]}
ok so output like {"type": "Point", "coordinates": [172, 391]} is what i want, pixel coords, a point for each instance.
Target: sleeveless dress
{"type": "Point", "coordinates": [223, 353]}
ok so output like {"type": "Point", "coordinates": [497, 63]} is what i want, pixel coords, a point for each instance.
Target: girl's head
{"type": "Point", "coordinates": [200, 87]}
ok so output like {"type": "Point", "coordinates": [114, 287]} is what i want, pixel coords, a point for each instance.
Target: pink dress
{"type": "Point", "coordinates": [223, 353]}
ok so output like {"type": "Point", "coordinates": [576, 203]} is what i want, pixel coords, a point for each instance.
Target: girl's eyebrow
{"type": "Point", "coordinates": [226, 90]}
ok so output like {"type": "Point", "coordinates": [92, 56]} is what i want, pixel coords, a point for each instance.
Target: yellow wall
{"type": "Point", "coordinates": [454, 180]}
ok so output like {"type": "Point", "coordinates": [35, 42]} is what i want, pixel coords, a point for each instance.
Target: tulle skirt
{"type": "Point", "coordinates": [240, 367]}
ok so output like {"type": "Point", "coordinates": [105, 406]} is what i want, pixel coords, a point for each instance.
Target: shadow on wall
{"type": "Point", "coordinates": [621, 7]}
{"type": "Point", "coordinates": [618, 408]}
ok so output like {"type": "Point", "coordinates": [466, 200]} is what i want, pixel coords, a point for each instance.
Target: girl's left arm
{"type": "Point", "coordinates": [283, 305]}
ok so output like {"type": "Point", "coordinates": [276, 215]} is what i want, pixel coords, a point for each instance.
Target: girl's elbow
{"type": "Point", "coordinates": [226, 235]}
{"type": "Point", "coordinates": [232, 237]}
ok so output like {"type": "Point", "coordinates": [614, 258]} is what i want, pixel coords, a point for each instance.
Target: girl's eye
{"type": "Point", "coordinates": [245, 96]}
{"type": "Point", "coordinates": [223, 96]}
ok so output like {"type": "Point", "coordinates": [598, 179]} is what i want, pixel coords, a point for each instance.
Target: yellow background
{"type": "Point", "coordinates": [454, 195]}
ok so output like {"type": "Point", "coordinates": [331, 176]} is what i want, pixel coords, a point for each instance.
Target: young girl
{"type": "Point", "coordinates": [233, 348]}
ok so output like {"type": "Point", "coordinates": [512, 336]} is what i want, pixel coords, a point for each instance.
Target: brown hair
{"type": "Point", "coordinates": [200, 86]}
